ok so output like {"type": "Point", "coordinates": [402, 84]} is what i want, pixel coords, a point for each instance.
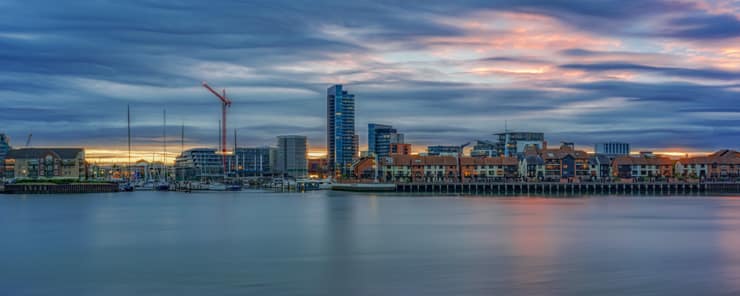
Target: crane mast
{"type": "Point", "coordinates": [225, 103]}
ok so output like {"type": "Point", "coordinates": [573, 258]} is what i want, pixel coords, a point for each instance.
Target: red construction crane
{"type": "Point", "coordinates": [225, 103]}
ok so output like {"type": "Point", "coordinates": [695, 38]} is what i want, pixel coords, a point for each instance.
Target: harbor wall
{"type": "Point", "coordinates": [60, 188]}
{"type": "Point", "coordinates": [570, 188]}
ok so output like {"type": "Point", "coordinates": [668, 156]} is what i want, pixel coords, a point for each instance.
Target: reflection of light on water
{"type": "Point", "coordinates": [534, 244]}
{"type": "Point", "coordinates": [373, 206]}
{"type": "Point", "coordinates": [530, 233]}
{"type": "Point", "coordinates": [728, 242]}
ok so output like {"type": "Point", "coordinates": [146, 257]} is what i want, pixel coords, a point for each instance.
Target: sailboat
{"type": "Point", "coordinates": [163, 185]}
{"type": "Point", "coordinates": [128, 186]}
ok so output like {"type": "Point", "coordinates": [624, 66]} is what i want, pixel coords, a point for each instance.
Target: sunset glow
{"type": "Point", "coordinates": [656, 74]}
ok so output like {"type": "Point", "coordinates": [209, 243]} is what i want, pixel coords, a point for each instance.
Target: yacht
{"type": "Point", "coordinates": [126, 187]}
{"type": "Point", "coordinates": [144, 186]}
{"type": "Point", "coordinates": [163, 186]}
{"type": "Point", "coordinates": [217, 187]}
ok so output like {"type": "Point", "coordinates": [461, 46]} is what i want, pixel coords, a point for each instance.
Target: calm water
{"type": "Point", "coordinates": [325, 243]}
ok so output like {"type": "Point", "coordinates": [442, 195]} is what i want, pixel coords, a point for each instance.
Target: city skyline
{"type": "Point", "coordinates": [662, 76]}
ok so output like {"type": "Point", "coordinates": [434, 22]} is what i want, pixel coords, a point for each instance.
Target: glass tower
{"type": "Point", "coordinates": [4, 149]}
{"type": "Point", "coordinates": [341, 141]}
{"type": "Point", "coordinates": [380, 137]}
{"type": "Point", "coordinates": [4, 146]}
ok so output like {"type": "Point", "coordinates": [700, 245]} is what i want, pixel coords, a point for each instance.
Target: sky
{"type": "Point", "coordinates": [661, 75]}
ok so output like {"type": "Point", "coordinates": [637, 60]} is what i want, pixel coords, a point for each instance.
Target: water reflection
{"type": "Point", "coordinates": [534, 245]}
{"type": "Point", "coordinates": [328, 243]}
{"type": "Point", "coordinates": [728, 242]}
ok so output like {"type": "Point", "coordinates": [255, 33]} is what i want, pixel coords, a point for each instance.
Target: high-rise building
{"type": "Point", "coordinates": [511, 143]}
{"type": "Point", "coordinates": [341, 141]}
{"type": "Point", "coordinates": [612, 148]}
{"type": "Point", "coordinates": [380, 137]}
{"type": "Point", "coordinates": [291, 156]}
{"type": "Point", "coordinates": [355, 147]}
{"type": "Point", "coordinates": [4, 149]}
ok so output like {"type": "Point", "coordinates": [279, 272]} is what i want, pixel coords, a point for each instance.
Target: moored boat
{"type": "Point", "coordinates": [217, 187]}
{"type": "Point", "coordinates": [163, 186]}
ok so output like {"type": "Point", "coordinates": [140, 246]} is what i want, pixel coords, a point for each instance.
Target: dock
{"type": "Point", "coordinates": [569, 188]}
{"type": "Point", "coordinates": [366, 187]}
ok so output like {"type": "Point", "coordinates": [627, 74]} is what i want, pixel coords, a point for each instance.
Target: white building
{"type": "Point", "coordinates": [612, 148]}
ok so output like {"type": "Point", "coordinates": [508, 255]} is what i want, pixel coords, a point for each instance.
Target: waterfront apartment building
{"type": "Point", "coordinates": [644, 166]}
{"type": "Point", "coordinates": [364, 169]}
{"type": "Point", "coordinates": [512, 143]}
{"type": "Point", "coordinates": [341, 141]}
{"type": "Point", "coordinates": [440, 150]}
{"type": "Point", "coordinates": [46, 163]}
{"type": "Point", "coordinates": [445, 169]}
{"type": "Point", "coordinates": [380, 137]}
{"type": "Point", "coordinates": [416, 169]}
{"type": "Point", "coordinates": [601, 166]}
{"type": "Point", "coordinates": [253, 161]}
{"type": "Point", "coordinates": [532, 167]}
{"type": "Point", "coordinates": [292, 154]}
{"type": "Point", "coordinates": [555, 164]}
{"type": "Point", "coordinates": [612, 148]}
{"type": "Point", "coordinates": [721, 165]}
{"type": "Point", "coordinates": [197, 164]}
{"type": "Point", "coordinates": [489, 169]}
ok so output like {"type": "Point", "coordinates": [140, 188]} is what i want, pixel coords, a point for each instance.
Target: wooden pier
{"type": "Point", "coordinates": [569, 188]}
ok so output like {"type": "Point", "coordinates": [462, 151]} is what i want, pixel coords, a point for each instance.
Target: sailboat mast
{"type": "Point", "coordinates": [236, 158]}
{"type": "Point", "coordinates": [128, 120]}
{"type": "Point", "coordinates": [164, 141]}
{"type": "Point", "coordinates": [182, 149]}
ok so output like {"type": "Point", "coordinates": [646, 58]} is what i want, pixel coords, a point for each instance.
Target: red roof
{"type": "Point", "coordinates": [641, 160]}
{"type": "Point", "coordinates": [725, 156]}
{"type": "Point", "coordinates": [410, 160]}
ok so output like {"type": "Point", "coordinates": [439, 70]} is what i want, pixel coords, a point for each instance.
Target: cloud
{"type": "Point", "coordinates": [665, 71]}
{"type": "Point", "coordinates": [443, 72]}
{"type": "Point", "coordinates": [704, 27]}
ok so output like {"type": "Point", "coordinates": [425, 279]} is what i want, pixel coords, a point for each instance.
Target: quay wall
{"type": "Point", "coordinates": [570, 188]}
{"type": "Point", "coordinates": [60, 188]}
